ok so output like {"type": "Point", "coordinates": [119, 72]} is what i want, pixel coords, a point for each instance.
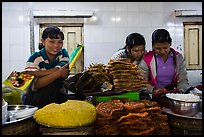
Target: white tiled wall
{"type": "Point", "coordinates": [102, 37]}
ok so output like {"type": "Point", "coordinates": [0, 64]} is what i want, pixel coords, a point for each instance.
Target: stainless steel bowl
{"type": "Point", "coordinates": [200, 106]}
{"type": "Point", "coordinates": [184, 104]}
{"type": "Point", "coordinates": [183, 107]}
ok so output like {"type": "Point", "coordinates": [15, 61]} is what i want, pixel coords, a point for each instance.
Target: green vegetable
{"type": "Point", "coordinates": [11, 96]}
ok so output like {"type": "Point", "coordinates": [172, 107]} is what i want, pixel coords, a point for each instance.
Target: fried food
{"type": "Point", "coordinates": [133, 105]}
{"type": "Point", "coordinates": [127, 117]}
{"type": "Point", "coordinates": [72, 113]}
{"type": "Point", "coordinates": [133, 115]}
{"type": "Point", "coordinates": [107, 109]}
{"type": "Point", "coordinates": [126, 75]}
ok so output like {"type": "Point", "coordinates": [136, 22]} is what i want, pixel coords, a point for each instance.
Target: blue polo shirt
{"type": "Point", "coordinates": [39, 60]}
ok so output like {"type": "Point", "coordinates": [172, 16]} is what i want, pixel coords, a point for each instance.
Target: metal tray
{"type": "Point", "coordinates": [19, 107]}
{"type": "Point", "coordinates": [17, 120]}
{"type": "Point", "coordinates": [23, 111]}
{"type": "Point", "coordinates": [66, 128]}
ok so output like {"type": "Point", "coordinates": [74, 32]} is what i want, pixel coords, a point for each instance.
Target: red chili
{"type": "Point", "coordinates": [27, 77]}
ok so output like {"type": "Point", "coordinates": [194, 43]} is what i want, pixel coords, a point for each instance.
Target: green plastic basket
{"type": "Point", "coordinates": [132, 95]}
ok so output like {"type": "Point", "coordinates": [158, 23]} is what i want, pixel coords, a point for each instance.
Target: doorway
{"type": "Point", "coordinates": [193, 45]}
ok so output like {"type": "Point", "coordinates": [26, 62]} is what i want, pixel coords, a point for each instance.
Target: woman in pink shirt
{"type": "Point", "coordinates": [164, 67]}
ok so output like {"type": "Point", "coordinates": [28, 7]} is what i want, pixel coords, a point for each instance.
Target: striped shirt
{"type": "Point", "coordinates": [39, 60]}
{"type": "Point", "coordinates": [119, 54]}
{"type": "Point", "coordinates": [122, 54]}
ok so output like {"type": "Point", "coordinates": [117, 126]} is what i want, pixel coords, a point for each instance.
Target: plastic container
{"type": "Point", "coordinates": [132, 95]}
{"type": "Point", "coordinates": [4, 111]}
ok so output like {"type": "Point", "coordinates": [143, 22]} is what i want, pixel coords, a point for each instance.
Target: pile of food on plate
{"type": "Point", "coordinates": [73, 113]}
{"type": "Point", "coordinates": [127, 117]}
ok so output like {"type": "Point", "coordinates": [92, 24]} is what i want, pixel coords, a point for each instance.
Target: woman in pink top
{"type": "Point", "coordinates": [164, 67]}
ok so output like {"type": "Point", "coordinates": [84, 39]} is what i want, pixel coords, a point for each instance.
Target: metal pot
{"type": "Point", "coordinates": [184, 104]}
{"type": "Point", "coordinates": [200, 106]}
{"type": "Point", "coordinates": [183, 107]}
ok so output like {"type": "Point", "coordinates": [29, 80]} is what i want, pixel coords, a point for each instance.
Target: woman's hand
{"type": "Point", "coordinates": [158, 93]}
{"type": "Point", "coordinates": [159, 90]}
{"type": "Point", "coordinates": [32, 73]}
{"type": "Point", "coordinates": [64, 71]}
{"type": "Point", "coordinates": [40, 73]}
